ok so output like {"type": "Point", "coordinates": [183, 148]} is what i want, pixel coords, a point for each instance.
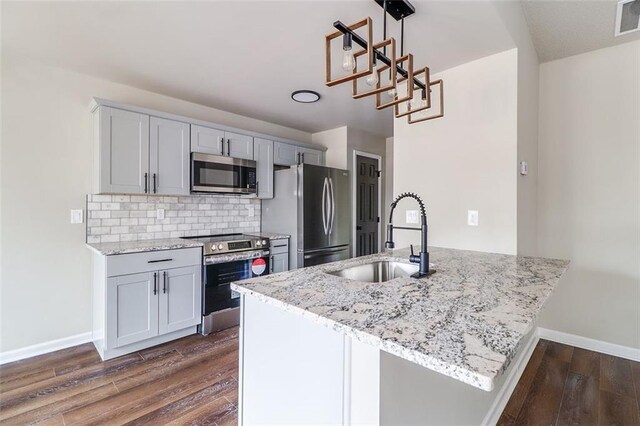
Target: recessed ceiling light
{"type": "Point", "coordinates": [305, 96]}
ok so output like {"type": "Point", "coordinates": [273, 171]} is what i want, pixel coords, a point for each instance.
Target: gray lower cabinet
{"type": "Point", "coordinates": [263, 155]}
{"type": "Point", "coordinates": [279, 255]}
{"type": "Point", "coordinates": [122, 157]}
{"type": "Point", "coordinates": [288, 155]}
{"type": "Point", "coordinates": [169, 157]}
{"type": "Point", "coordinates": [133, 309]}
{"type": "Point", "coordinates": [144, 299]}
{"type": "Point", "coordinates": [180, 299]}
{"type": "Point", "coordinates": [209, 140]}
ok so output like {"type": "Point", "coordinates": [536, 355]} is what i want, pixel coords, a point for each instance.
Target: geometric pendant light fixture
{"type": "Point", "coordinates": [380, 69]}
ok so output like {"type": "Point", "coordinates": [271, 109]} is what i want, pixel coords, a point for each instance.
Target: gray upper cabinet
{"type": "Point", "coordinates": [287, 155]}
{"type": "Point", "coordinates": [169, 157]}
{"type": "Point", "coordinates": [123, 152]}
{"type": "Point", "coordinates": [218, 142]}
{"type": "Point", "coordinates": [180, 300]}
{"type": "Point", "coordinates": [263, 155]}
{"type": "Point", "coordinates": [207, 140]}
{"type": "Point", "coordinates": [239, 146]}
{"type": "Point", "coordinates": [138, 154]}
{"type": "Point", "coordinates": [311, 156]}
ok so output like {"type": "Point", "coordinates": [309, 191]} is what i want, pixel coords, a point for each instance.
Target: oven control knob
{"type": "Point", "coordinates": [220, 246]}
{"type": "Point", "coordinates": [264, 242]}
{"type": "Point", "coordinates": [213, 247]}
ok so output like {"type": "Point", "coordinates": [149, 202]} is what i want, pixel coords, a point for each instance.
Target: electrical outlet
{"type": "Point", "coordinates": [412, 216]}
{"type": "Point", "coordinates": [77, 216]}
{"type": "Point", "coordinates": [160, 214]}
{"type": "Point", "coordinates": [472, 217]}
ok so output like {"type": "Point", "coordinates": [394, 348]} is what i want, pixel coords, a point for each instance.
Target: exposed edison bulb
{"type": "Point", "coordinates": [373, 78]}
{"type": "Point", "coordinates": [392, 92]}
{"type": "Point", "coordinates": [348, 61]}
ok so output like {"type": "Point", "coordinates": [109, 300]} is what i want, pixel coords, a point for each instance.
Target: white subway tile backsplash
{"type": "Point", "coordinates": [113, 218]}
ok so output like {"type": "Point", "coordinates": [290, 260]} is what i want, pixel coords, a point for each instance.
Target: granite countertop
{"type": "Point", "coordinates": [108, 249]}
{"type": "Point", "coordinates": [270, 235]}
{"type": "Point", "coordinates": [467, 321]}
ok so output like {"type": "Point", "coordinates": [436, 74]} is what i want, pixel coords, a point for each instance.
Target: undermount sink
{"type": "Point", "coordinates": [377, 272]}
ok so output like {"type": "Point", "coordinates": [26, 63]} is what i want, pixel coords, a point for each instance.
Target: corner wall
{"type": "Point", "coordinates": [465, 160]}
{"type": "Point", "coordinates": [47, 141]}
{"type": "Point", "coordinates": [589, 191]}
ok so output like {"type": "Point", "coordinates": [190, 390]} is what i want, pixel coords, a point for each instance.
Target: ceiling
{"type": "Point", "coordinates": [564, 28]}
{"type": "Point", "coordinates": [240, 56]}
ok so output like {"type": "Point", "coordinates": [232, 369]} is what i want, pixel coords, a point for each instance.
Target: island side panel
{"type": "Point", "coordinates": [414, 395]}
{"type": "Point", "coordinates": [292, 369]}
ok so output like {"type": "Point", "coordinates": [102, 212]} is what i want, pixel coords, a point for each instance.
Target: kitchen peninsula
{"type": "Point", "coordinates": [321, 347]}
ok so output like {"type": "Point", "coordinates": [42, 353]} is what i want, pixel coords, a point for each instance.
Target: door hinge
{"type": "Point", "coordinates": [378, 219]}
{"type": "Point", "coordinates": [379, 173]}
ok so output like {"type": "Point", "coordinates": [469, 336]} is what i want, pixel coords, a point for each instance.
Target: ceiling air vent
{"type": "Point", "coordinates": [627, 17]}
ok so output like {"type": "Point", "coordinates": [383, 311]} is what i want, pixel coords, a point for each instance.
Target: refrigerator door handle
{"type": "Point", "coordinates": [333, 206]}
{"type": "Point", "coordinates": [324, 206]}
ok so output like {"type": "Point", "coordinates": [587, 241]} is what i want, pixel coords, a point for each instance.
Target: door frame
{"type": "Point", "coordinates": [354, 204]}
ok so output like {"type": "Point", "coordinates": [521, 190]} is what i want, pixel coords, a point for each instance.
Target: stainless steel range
{"type": "Point", "coordinates": [228, 258]}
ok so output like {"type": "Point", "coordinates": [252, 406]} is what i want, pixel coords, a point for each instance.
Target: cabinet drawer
{"type": "Point", "coordinates": [133, 263]}
{"type": "Point", "coordinates": [279, 246]}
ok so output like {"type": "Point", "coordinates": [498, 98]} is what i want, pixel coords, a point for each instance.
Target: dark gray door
{"type": "Point", "coordinates": [367, 214]}
{"type": "Point", "coordinates": [314, 198]}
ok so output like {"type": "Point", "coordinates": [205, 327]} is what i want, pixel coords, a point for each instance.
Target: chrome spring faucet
{"type": "Point", "coordinates": [423, 257]}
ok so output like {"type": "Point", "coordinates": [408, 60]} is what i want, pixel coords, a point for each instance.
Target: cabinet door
{"type": "Point", "coordinates": [180, 292]}
{"type": "Point", "coordinates": [279, 263]}
{"type": "Point", "coordinates": [263, 154]}
{"type": "Point", "coordinates": [207, 140]}
{"type": "Point", "coordinates": [284, 154]}
{"type": "Point", "coordinates": [311, 156]}
{"type": "Point", "coordinates": [291, 368]}
{"type": "Point", "coordinates": [169, 157]}
{"type": "Point", "coordinates": [132, 309]}
{"type": "Point", "coordinates": [124, 151]}
{"type": "Point", "coordinates": [238, 146]}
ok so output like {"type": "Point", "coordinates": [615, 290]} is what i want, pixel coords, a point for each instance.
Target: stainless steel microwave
{"type": "Point", "coordinates": [215, 173]}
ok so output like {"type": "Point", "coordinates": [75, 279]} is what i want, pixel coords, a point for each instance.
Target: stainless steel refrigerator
{"type": "Point", "coordinates": [313, 205]}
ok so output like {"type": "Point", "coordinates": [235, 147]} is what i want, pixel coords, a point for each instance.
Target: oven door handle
{"type": "Point", "coordinates": [231, 257]}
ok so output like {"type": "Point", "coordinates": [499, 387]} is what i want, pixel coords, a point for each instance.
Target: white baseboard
{"type": "Point", "coordinates": [502, 398]}
{"type": "Point", "coordinates": [43, 348]}
{"type": "Point", "coordinates": [591, 344]}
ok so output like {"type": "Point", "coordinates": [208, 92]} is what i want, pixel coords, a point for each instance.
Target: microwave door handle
{"type": "Point", "coordinates": [324, 206]}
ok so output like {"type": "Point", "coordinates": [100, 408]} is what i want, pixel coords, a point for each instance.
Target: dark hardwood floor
{"type": "Point", "coordinates": [563, 385]}
{"type": "Point", "coordinates": [194, 381]}
{"type": "Point", "coordinates": [190, 381]}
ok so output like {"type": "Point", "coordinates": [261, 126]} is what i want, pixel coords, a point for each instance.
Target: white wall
{"type": "Point", "coordinates": [46, 170]}
{"type": "Point", "coordinates": [465, 160]}
{"type": "Point", "coordinates": [528, 69]}
{"type": "Point", "coordinates": [336, 142]}
{"type": "Point", "coordinates": [589, 191]}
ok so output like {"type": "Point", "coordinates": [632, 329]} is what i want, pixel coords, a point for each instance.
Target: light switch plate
{"type": "Point", "coordinates": [472, 217]}
{"type": "Point", "coordinates": [77, 216]}
{"type": "Point", "coordinates": [160, 214]}
{"type": "Point", "coordinates": [412, 216]}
